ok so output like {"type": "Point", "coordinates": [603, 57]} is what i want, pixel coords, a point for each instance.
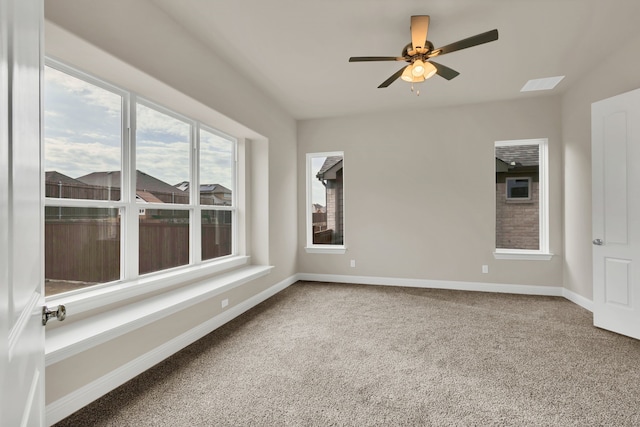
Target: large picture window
{"type": "Point", "coordinates": [521, 197]}
{"type": "Point", "coordinates": [325, 202]}
{"type": "Point", "coordinates": [131, 187]}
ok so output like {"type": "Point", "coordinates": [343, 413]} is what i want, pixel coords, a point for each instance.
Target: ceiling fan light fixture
{"type": "Point", "coordinates": [418, 68]}
{"type": "Point", "coordinates": [429, 70]}
{"type": "Point", "coordinates": [407, 76]}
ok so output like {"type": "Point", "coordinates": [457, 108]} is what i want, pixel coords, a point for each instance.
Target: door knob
{"type": "Point", "coordinates": [598, 242]}
{"type": "Point", "coordinates": [59, 313]}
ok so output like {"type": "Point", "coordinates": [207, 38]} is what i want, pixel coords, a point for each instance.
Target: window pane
{"type": "Point", "coordinates": [517, 197]}
{"type": "Point", "coordinates": [164, 239]}
{"type": "Point", "coordinates": [216, 169]}
{"type": "Point", "coordinates": [162, 157]}
{"type": "Point", "coordinates": [82, 138]}
{"type": "Point", "coordinates": [327, 200]}
{"type": "Point", "coordinates": [82, 247]}
{"type": "Point", "coordinates": [518, 188]}
{"type": "Point", "coordinates": [216, 234]}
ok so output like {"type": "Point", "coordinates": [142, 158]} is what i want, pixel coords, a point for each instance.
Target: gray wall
{"type": "Point", "coordinates": [420, 191]}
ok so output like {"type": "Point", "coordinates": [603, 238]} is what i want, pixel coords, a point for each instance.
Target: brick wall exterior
{"type": "Point", "coordinates": [517, 223]}
{"type": "Point", "coordinates": [335, 212]}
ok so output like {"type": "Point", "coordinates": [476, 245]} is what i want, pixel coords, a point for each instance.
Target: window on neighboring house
{"type": "Point", "coordinates": [521, 197]}
{"type": "Point", "coordinates": [118, 203]}
{"type": "Point", "coordinates": [325, 202]}
{"type": "Point", "coordinates": [518, 189]}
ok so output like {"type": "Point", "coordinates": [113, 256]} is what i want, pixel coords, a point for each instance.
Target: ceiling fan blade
{"type": "Point", "coordinates": [419, 30]}
{"type": "Point", "coordinates": [476, 40]}
{"type": "Point", "coordinates": [444, 71]}
{"type": "Point", "coordinates": [375, 58]}
{"type": "Point", "coordinates": [393, 78]}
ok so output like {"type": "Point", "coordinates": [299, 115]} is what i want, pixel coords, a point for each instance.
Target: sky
{"type": "Point", "coordinates": [318, 194]}
{"type": "Point", "coordinates": [83, 134]}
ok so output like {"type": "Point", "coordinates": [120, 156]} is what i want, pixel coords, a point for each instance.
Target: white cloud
{"type": "Point", "coordinates": [76, 159]}
{"type": "Point", "coordinates": [216, 160]}
{"type": "Point", "coordinates": [92, 94]}
{"type": "Point", "coordinates": [149, 120]}
{"type": "Point", "coordinates": [168, 162]}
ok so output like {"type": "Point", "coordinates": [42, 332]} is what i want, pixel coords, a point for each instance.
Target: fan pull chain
{"type": "Point", "coordinates": [417, 92]}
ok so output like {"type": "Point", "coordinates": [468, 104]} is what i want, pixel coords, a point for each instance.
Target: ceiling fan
{"type": "Point", "coordinates": [419, 52]}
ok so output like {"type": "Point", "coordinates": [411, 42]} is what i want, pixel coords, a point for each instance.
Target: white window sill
{"type": "Point", "coordinates": [326, 249]}
{"type": "Point", "coordinates": [67, 340]}
{"type": "Point", "coordinates": [516, 254]}
{"type": "Point", "coordinates": [93, 298]}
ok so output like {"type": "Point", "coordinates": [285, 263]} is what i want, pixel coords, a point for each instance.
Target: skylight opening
{"type": "Point", "coordinates": [547, 83]}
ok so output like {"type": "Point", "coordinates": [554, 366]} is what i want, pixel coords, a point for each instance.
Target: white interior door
{"type": "Point", "coordinates": [616, 213]}
{"type": "Point", "coordinates": [21, 253]}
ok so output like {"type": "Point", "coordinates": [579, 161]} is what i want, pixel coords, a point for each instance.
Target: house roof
{"type": "Point", "coordinates": [148, 197]}
{"type": "Point", "coordinates": [518, 155]}
{"type": "Point", "coordinates": [204, 188]}
{"type": "Point", "coordinates": [329, 163]}
{"type": "Point", "coordinates": [144, 182]}
{"type": "Point", "coordinates": [57, 177]}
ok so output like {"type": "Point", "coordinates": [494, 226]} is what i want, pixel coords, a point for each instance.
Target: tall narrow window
{"type": "Point", "coordinates": [162, 165]}
{"type": "Point", "coordinates": [325, 202]}
{"type": "Point", "coordinates": [521, 197]}
{"type": "Point", "coordinates": [217, 172]}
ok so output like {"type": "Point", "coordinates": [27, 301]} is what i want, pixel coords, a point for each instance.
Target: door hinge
{"type": "Point", "coordinates": [59, 313]}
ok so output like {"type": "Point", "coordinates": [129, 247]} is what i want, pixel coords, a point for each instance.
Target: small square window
{"type": "Point", "coordinates": [518, 188]}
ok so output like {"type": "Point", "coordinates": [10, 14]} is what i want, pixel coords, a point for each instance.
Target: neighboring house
{"type": "Point", "coordinates": [330, 174]}
{"type": "Point", "coordinates": [106, 186]}
{"type": "Point", "coordinates": [60, 178]}
{"type": "Point", "coordinates": [148, 188]}
{"type": "Point", "coordinates": [61, 186]}
{"type": "Point", "coordinates": [517, 201]}
{"type": "Point", "coordinates": [210, 194]}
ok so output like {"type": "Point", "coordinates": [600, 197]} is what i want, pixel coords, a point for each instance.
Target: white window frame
{"type": "Point", "coordinates": [234, 192]}
{"type": "Point", "coordinates": [543, 253]}
{"type": "Point", "coordinates": [131, 284]}
{"type": "Point", "coordinates": [311, 247]}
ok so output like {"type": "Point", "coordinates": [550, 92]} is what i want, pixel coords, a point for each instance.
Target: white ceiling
{"type": "Point", "coordinates": [298, 50]}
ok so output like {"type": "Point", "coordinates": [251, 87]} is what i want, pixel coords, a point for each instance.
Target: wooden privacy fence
{"type": "Point", "coordinates": [82, 250]}
{"type": "Point", "coordinates": [97, 192]}
{"type": "Point", "coordinates": [89, 250]}
{"type": "Point", "coordinates": [323, 237]}
{"type": "Point", "coordinates": [78, 191]}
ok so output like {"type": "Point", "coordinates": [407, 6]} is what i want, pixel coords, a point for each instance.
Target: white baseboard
{"type": "Point", "coordinates": [583, 302]}
{"type": "Point", "coordinates": [556, 291]}
{"type": "Point", "coordinates": [436, 284]}
{"type": "Point", "coordinates": [72, 402]}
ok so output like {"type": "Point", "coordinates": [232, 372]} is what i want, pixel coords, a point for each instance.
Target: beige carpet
{"type": "Point", "coordinates": [350, 355]}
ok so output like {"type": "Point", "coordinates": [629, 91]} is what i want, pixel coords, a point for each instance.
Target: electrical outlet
{"type": "Point", "coordinates": [485, 269]}
{"type": "Point", "coordinates": [225, 302]}
{"type": "Point", "coordinates": [353, 263]}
